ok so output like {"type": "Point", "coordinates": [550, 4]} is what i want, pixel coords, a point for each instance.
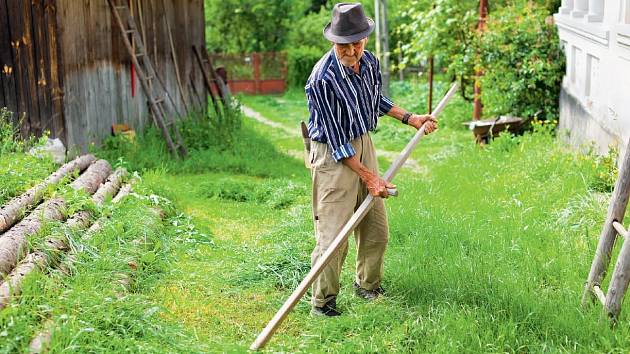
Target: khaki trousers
{"type": "Point", "coordinates": [337, 193]}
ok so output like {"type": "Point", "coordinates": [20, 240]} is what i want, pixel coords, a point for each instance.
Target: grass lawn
{"type": "Point", "coordinates": [489, 249]}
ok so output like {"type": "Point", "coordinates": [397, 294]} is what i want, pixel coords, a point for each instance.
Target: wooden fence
{"type": "Point", "coordinates": [254, 73]}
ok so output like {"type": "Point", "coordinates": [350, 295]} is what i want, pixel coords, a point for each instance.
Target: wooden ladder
{"type": "Point", "coordinates": [211, 77]}
{"type": "Point", "coordinates": [613, 298]}
{"type": "Point", "coordinates": [155, 90]}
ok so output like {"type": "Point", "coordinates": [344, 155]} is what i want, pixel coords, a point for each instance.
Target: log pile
{"type": "Point", "coordinates": [14, 241]}
{"type": "Point", "coordinates": [25, 216]}
{"type": "Point", "coordinates": [79, 221]}
{"type": "Point", "coordinates": [41, 340]}
{"type": "Point", "coordinates": [16, 262]}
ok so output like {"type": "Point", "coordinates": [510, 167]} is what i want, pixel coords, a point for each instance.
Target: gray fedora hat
{"type": "Point", "coordinates": [349, 24]}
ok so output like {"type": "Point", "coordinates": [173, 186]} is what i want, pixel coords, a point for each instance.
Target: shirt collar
{"type": "Point", "coordinates": [344, 70]}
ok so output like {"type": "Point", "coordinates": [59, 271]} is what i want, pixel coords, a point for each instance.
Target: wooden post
{"type": "Point", "coordinates": [401, 74]}
{"type": "Point", "coordinates": [618, 283]}
{"type": "Point", "coordinates": [481, 25]}
{"type": "Point", "coordinates": [384, 39]}
{"type": "Point", "coordinates": [256, 63]}
{"type": "Point", "coordinates": [356, 218]}
{"type": "Point", "coordinates": [377, 21]}
{"type": "Point", "coordinates": [616, 212]}
{"type": "Point", "coordinates": [430, 98]}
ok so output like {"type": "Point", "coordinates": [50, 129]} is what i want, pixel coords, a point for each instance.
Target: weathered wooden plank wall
{"type": "Point", "coordinates": [97, 69]}
{"type": "Point", "coordinates": [29, 65]}
{"type": "Point", "coordinates": [64, 67]}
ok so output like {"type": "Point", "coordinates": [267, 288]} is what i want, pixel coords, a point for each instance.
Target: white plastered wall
{"type": "Point", "coordinates": [595, 98]}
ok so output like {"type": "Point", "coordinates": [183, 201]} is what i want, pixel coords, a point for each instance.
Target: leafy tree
{"type": "Point", "coordinates": [316, 6]}
{"type": "Point", "coordinates": [518, 52]}
{"type": "Point", "coordinates": [307, 31]}
{"type": "Point", "coordinates": [446, 30]}
{"type": "Point", "coordinates": [234, 26]}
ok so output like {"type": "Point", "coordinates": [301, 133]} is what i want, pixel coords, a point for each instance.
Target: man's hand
{"type": "Point", "coordinates": [378, 186]}
{"type": "Point", "coordinates": [417, 120]}
{"type": "Point", "coordinates": [375, 184]}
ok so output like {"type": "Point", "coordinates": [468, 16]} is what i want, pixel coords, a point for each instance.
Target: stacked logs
{"type": "Point", "coordinates": [16, 262]}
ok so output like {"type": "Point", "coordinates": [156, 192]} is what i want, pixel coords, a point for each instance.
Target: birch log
{"type": "Point", "coordinates": [42, 339]}
{"type": "Point", "coordinates": [13, 243]}
{"type": "Point", "coordinates": [123, 192]}
{"type": "Point", "coordinates": [12, 285]}
{"type": "Point", "coordinates": [13, 211]}
{"type": "Point", "coordinates": [40, 342]}
{"type": "Point", "coordinates": [82, 219]}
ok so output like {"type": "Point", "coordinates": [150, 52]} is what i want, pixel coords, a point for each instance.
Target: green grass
{"type": "Point", "coordinates": [489, 249]}
{"type": "Point", "coordinates": [19, 172]}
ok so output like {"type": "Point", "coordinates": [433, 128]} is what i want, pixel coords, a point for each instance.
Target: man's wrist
{"type": "Point", "coordinates": [405, 118]}
{"type": "Point", "coordinates": [366, 175]}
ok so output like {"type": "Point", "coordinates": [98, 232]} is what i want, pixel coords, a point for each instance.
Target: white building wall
{"type": "Point", "coordinates": [595, 95]}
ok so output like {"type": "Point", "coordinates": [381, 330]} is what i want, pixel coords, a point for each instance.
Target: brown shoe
{"type": "Point", "coordinates": [368, 294]}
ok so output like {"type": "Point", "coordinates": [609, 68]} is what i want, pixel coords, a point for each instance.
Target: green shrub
{"type": "Point", "coordinates": [307, 31]}
{"type": "Point", "coordinates": [523, 62]}
{"type": "Point", "coordinates": [149, 150]}
{"type": "Point", "coordinates": [306, 46]}
{"type": "Point", "coordinates": [300, 64]}
{"type": "Point", "coordinates": [217, 130]}
{"type": "Point", "coordinates": [229, 189]}
{"type": "Point", "coordinates": [446, 30]}
{"type": "Point", "coordinates": [236, 26]}
{"type": "Point", "coordinates": [518, 53]}
{"type": "Point", "coordinates": [606, 170]}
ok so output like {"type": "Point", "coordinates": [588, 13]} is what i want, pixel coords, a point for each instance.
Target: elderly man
{"type": "Point", "coordinates": [344, 100]}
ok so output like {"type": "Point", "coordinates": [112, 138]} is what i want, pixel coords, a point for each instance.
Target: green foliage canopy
{"type": "Point", "coordinates": [522, 62]}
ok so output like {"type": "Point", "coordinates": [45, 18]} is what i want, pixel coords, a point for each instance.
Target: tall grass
{"type": "Point", "coordinates": [18, 171]}
{"type": "Point", "coordinates": [212, 148]}
{"type": "Point", "coordinates": [489, 250]}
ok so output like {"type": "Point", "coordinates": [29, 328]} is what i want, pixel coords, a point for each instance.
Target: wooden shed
{"type": "Point", "coordinates": [64, 67]}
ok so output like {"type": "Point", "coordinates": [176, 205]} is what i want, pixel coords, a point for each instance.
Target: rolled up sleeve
{"type": "Point", "coordinates": [326, 105]}
{"type": "Point", "coordinates": [384, 105]}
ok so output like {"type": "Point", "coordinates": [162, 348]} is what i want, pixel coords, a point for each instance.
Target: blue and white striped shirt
{"type": "Point", "coordinates": [344, 105]}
